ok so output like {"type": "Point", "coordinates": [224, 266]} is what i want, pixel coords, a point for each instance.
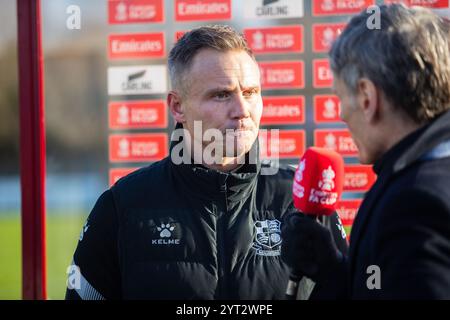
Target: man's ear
{"type": "Point", "coordinates": [368, 99]}
{"type": "Point", "coordinates": [175, 107]}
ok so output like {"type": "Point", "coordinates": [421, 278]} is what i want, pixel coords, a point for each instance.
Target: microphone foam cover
{"type": "Point", "coordinates": [318, 181]}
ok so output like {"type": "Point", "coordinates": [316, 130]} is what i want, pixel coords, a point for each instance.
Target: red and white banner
{"type": "Point", "coordinates": [275, 39]}
{"type": "Point", "coordinates": [289, 144]}
{"type": "Point", "coordinates": [138, 147]}
{"type": "Point", "coordinates": [117, 173]}
{"type": "Point", "coordinates": [137, 114]}
{"type": "Point", "coordinates": [322, 74]}
{"type": "Point", "coordinates": [326, 109]}
{"type": "Point", "coordinates": [432, 4]}
{"type": "Point", "coordinates": [193, 10]}
{"type": "Point", "coordinates": [347, 210]}
{"type": "Point", "coordinates": [135, 11]}
{"type": "Point", "coordinates": [136, 45]}
{"type": "Point", "coordinates": [324, 34]}
{"type": "Point", "coordinates": [282, 75]}
{"type": "Point", "coordinates": [358, 178]}
{"type": "Point", "coordinates": [283, 110]}
{"type": "Point", "coordinates": [339, 7]}
{"type": "Point", "coordinates": [339, 140]}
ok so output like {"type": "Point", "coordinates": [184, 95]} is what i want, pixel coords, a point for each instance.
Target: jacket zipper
{"type": "Point", "coordinates": [222, 250]}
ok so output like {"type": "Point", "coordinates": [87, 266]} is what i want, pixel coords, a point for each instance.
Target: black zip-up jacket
{"type": "Point", "coordinates": [184, 231]}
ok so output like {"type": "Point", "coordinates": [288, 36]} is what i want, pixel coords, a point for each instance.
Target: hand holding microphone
{"type": "Point", "coordinates": [308, 247]}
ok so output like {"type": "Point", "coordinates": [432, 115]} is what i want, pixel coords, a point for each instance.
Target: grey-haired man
{"type": "Point", "coordinates": [394, 87]}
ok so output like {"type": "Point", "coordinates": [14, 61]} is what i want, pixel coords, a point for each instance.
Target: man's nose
{"type": "Point", "coordinates": [240, 108]}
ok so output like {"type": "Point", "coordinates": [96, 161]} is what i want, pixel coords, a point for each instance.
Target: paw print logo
{"type": "Point", "coordinates": [165, 230]}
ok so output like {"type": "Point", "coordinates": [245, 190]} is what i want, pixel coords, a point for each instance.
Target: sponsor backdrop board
{"type": "Point", "coordinates": [290, 39]}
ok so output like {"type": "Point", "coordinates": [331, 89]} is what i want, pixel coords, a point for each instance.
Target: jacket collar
{"type": "Point", "coordinates": [433, 134]}
{"type": "Point", "coordinates": [209, 183]}
{"type": "Point", "coordinates": [414, 146]}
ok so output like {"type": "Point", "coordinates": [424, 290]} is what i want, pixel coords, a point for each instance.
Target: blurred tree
{"type": "Point", "coordinates": [75, 102]}
{"type": "Point", "coordinates": [76, 106]}
{"type": "Point", "coordinates": [9, 109]}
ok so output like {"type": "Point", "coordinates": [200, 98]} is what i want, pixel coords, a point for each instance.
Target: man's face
{"type": "Point", "coordinates": [351, 113]}
{"type": "Point", "coordinates": [224, 93]}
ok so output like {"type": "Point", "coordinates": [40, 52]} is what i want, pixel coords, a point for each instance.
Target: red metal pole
{"type": "Point", "coordinates": [32, 149]}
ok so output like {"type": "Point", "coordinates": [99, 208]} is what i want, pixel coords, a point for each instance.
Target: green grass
{"type": "Point", "coordinates": [347, 229]}
{"type": "Point", "coordinates": [10, 261]}
{"type": "Point", "coordinates": [62, 237]}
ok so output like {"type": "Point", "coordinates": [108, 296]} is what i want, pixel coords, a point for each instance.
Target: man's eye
{"type": "Point", "coordinates": [250, 93]}
{"type": "Point", "coordinates": [222, 95]}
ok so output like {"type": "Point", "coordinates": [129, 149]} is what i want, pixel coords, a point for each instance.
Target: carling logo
{"type": "Point", "coordinates": [270, 9]}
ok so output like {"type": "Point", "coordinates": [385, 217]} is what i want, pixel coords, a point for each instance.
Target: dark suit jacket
{"type": "Point", "coordinates": [403, 224]}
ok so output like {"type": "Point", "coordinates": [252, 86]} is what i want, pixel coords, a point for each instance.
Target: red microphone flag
{"type": "Point", "coordinates": [318, 181]}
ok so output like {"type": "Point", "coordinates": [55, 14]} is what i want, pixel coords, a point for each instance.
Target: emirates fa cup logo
{"type": "Point", "coordinates": [327, 182]}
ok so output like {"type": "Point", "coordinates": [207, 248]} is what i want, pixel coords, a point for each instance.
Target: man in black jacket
{"type": "Point", "coordinates": [203, 223]}
{"type": "Point", "coordinates": [394, 86]}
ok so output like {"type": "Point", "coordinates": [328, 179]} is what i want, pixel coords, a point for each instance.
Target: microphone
{"type": "Point", "coordinates": [317, 186]}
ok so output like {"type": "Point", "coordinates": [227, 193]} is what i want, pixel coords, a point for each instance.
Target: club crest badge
{"type": "Point", "coordinates": [267, 240]}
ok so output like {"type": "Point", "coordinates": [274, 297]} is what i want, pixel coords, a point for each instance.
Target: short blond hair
{"type": "Point", "coordinates": [217, 37]}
